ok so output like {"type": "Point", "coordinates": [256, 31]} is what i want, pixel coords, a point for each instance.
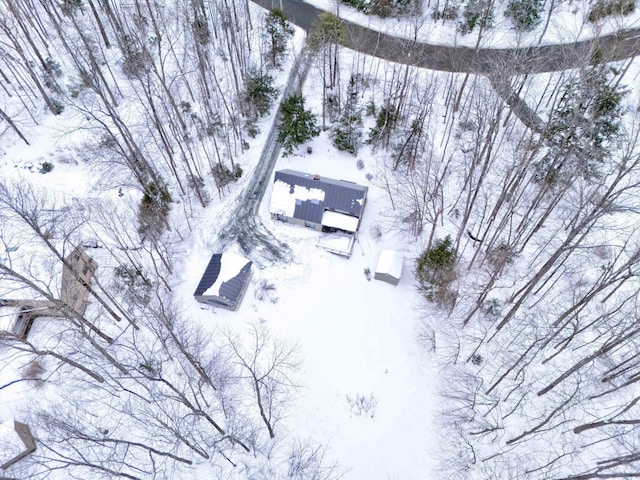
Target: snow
{"type": "Point", "coordinates": [339, 220]}
{"type": "Point", "coordinates": [390, 262]}
{"type": "Point", "coordinates": [357, 339]}
{"type": "Point", "coordinates": [283, 199]}
{"type": "Point", "coordinates": [567, 23]}
{"type": "Point", "coordinates": [230, 266]}
{"type": "Point", "coordinates": [336, 243]}
{"type": "Point", "coordinates": [8, 317]}
{"type": "Point", "coordinates": [367, 387]}
{"type": "Point", "coordinates": [11, 445]}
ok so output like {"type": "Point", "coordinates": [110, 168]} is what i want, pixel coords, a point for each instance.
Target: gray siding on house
{"type": "Point", "coordinates": [341, 196]}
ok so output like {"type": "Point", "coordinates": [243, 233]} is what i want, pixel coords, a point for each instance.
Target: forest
{"type": "Point", "coordinates": [145, 133]}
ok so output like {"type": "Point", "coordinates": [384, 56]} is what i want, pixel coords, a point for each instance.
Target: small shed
{"type": "Point", "coordinates": [224, 281]}
{"type": "Point", "coordinates": [16, 442]}
{"type": "Point", "coordinates": [389, 268]}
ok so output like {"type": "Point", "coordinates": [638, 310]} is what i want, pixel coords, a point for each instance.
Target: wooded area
{"type": "Point", "coordinates": [522, 190]}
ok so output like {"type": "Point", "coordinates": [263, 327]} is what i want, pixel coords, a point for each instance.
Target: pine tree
{"type": "Point", "coordinates": [347, 132]}
{"type": "Point", "coordinates": [582, 127]}
{"type": "Point", "coordinates": [278, 30]}
{"type": "Point", "coordinates": [259, 94]}
{"type": "Point", "coordinates": [297, 124]}
{"type": "Point", "coordinates": [525, 14]}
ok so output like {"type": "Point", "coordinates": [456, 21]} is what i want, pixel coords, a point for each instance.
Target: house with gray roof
{"type": "Point", "coordinates": [321, 203]}
{"type": "Point", "coordinates": [224, 281]}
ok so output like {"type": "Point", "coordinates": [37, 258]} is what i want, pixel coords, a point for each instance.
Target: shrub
{"type": "Point", "coordinates": [386, 121]}
{"type": "Point", "coordinates": [46, 167]}
{"type": "Point", "coordinates": [363, 6]}
{"type": "Point", "coordinates": [34, 372]}
{"type": "Point", "coordinates": [58, 107]}
{"type": "Point", "coordinates": [448, 12]}
{"type": "Point", "coordinates": [501, 255]}
{"type": "Point", "coordinates": [154, 209]}
{"type": "Point", "coordinates": [605, 8]}
{"type": "Point", "coordinates": [135, 61]}
{"type": "Point", "coordinates": [201, 32]}
{"type": "Point", "coordinates": [476, 13]}
{"type": "Point", "coordinates": [266, 291]}
{"type": "Point", "coordinates": [525, 14]}
{"type": "Point", "coordinates": [367, 273]}
{"type": "Point", "coordinates": [132, 283]}
{"type": "Point", "coordinates": [223, 175]}
{"type": "Point", "coordinates": [361, 405]}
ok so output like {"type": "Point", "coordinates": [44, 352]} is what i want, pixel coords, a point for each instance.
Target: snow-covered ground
{"type": "Point", "coordinates": [568, 23]}
{"type": "Point", "coordinates": [358, 337]}
{"type": "Point", "coordinates": [367, 386]}
{"type": "Point", "coordinates": [367, 390]}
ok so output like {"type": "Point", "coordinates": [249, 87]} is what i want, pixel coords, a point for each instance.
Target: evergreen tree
{"type": "Point", "coordinates": [525, 14]}
{"type": "Point", "coordinates": [297, 124]}
{"type": "Point", "coordinates": [386, 122]}
{"type": "Point", "coordinates": [347, 132]}
{"type": "Point", "coordinates": [259, 94]}
{"type": "Point", "coordinates": [476, 13]}
{"type": "Point", "coordinates": [278, 31]}
{"type": "Point", "coordinates": [435, 271]}
{"type": "Point", "coordinates": [582, 127]}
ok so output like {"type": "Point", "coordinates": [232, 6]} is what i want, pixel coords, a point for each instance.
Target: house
{"type": "Point", "coordinates": [16, 442]}
{"type": "Point", "coordinates": [389, 267]}
{"type": "Point", "coordinates": [77, 274]}
{"type": "Point", "coordinates": [321, 203]}
{"type": "Point", "coordinates": [17, 315]}
{"type": "Point", "coordinates": [15, 320]}
{"type": "Point", "coordinates": [224, 281]}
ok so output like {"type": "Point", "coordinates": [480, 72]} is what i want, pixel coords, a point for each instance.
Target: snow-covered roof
{"type": "Point", "coordinates": [285, 196]}
{"type": "Point", "coordinates": [341, 221]}
{"type": "Point", "coordinates": [11, 444]}
{"type": "Point", "coordinates": [390, 262]}
{"type": "Point", "coordinates": [8, 316]}
{"type": "Point", "coordinates": [225, 276]}
{"type": "Point", "coordinates": [306, 197]}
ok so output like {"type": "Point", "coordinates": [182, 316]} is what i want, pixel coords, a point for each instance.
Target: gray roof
{"type": "Point", "coordinates": [232, 288]}
{"type": "Point", "coordinates": [340, 195]}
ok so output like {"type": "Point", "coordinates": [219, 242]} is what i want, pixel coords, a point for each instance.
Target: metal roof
{"type": "Point", "coordinates": [231, 288]}
{"type": "Point", "coordinates": [340, 195]}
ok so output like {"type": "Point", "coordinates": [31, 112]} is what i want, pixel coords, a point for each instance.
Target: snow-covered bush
{"type": "Point", "coordinates": [476, 13]}
{"type": "Point", "coordinates": [525, 14]}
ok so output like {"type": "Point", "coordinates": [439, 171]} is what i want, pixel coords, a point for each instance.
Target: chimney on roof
{"type": "Point", "coordinates": [316, 177]}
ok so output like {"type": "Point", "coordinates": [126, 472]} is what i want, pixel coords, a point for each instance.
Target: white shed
{"type": "Point", "coordinates": [389, 268]}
